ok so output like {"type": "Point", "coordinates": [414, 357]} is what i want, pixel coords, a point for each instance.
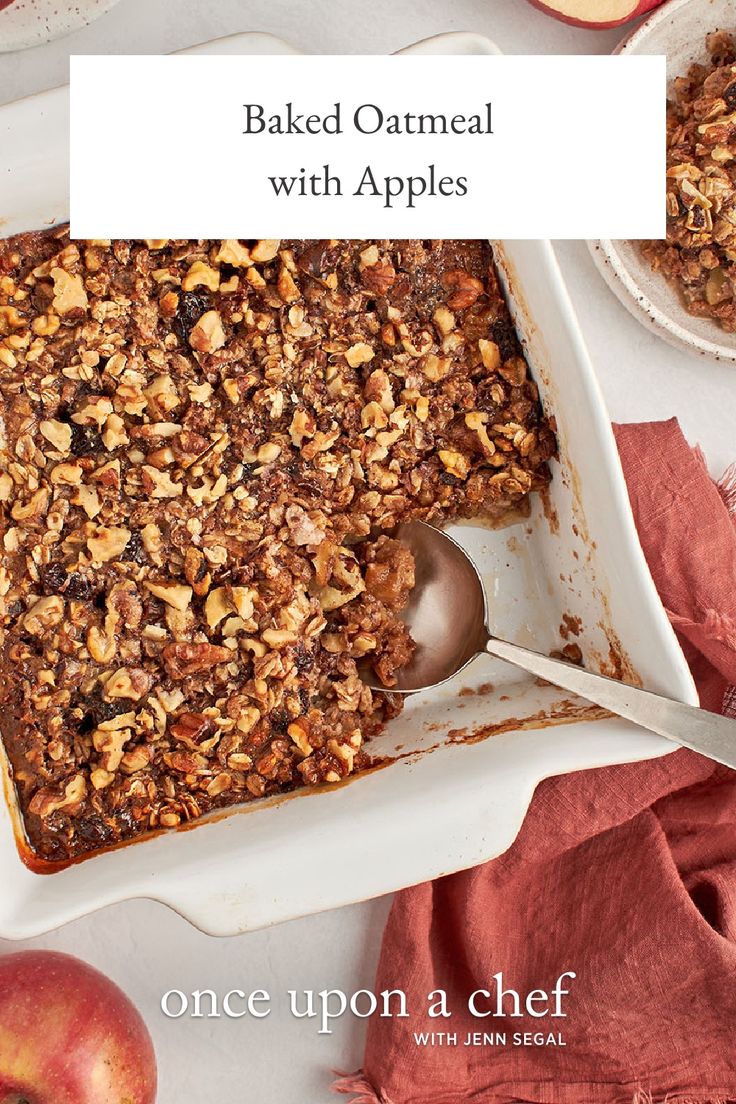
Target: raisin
{"type": "Point", "coordinates": [85, 440]}
{"type": "Point", "coordinates": [279, 720]}
{"type": "Point", "coordinates": [134, 550]}
{"type": "Point", "coordinates": [505, 337]}
{"type": "Point", "coordinates": [449, 479]}
{"type": "Point", "coordinates": [77, 587]}
{"type": "Point", "coordinates": [316, 258]}
{"type": "Point", "coordinates": [55, 579]}
{"type": "Point", "coordinates": [729, 96]}
{"type": "Point", "coordinates": [302, 658]}
{"type": "Point", "coordinates": [484, 400]}
{"type": "Point", "coordinates": [94, 829]}
{"type": "Point", "coordinates": [192, 305]}
{"type": "Point", "coordinates": [96, 711]}
{"type": "Point", "coordinates": [99, 711]}
{"type": "Point", "coordinates": [87, 723]}
{"type": "Point", "coordinates": [126, 822]}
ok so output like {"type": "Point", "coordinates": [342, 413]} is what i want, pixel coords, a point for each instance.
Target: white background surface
{"type": "Point", "coordinates": [145, 947]}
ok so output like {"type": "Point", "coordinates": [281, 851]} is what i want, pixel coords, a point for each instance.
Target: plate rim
{"type": "Point", "coordinates": [606, 254]}
{"type": "Point", "coordinates": [27, 40]}
{"type": "Point", "coordinates": [631, 295]}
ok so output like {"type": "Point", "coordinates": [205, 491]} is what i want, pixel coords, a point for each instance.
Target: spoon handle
{"type": "Point", "coordinates": [709, 733]}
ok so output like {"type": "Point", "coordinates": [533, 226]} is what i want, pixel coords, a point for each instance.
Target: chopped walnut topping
{"type": "Point", "coordinates": [490, 354]}
{"type": "Point", "coordinates": [264, 251]}
{"type": "Point", "coordinates": [201, 275]}
{"type": "Point", "coordinates": [58, 434]}
{"type": "Point", "coordinates": [159, 483]}
{"type": "Point", "coordinates": [69, 293]}
{"type": "Point", "coordinates": [219, 605]}
{"type": "Point", "coordinates": [208, 335]}
{"type": "Point", "coordinates": [455, 463]}
{"type": "Point", "coordinates": [358, 354]}
{"type": "Point", "coordinates": [43, 615]}
{"type": "Point", "coordinates": [206, 447]}
{"type": "Point", "coordinates": [107, 542]}
{"type": "Point", "coordinates": [128, 684]}
{"type": "Point", "coordinates": [173, 594]}
{"type": "Point", "coordinates": [234, 253]}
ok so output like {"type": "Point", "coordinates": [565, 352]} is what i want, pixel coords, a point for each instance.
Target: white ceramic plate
{"type": "Point", "coordinates": [32, 22]}
{"type": "Point", "coordinates": [677, 29]}
{"type": "Point", "coordinates": [443, 801]}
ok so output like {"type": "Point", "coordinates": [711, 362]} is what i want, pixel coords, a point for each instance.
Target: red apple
{"type": "Point", "coordinates": [596, 14]}
{"type": "Point", "coordinates": [68, 1035]}
{"type": "Point", "coordinates": [5, 4]}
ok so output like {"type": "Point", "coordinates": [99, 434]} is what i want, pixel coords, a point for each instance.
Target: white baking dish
{"type": "Point", "coordinates": [443, 801]}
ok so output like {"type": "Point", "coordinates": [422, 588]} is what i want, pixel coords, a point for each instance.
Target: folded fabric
{"type": "Point", "coordinates": [625, 875]}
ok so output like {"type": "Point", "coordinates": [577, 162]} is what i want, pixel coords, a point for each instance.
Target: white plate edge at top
{"type": "Point", "coordinates": [26, 24]}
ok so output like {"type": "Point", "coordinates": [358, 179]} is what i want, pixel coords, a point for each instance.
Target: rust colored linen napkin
{"type": "Point", "coordinates": [625, 875]}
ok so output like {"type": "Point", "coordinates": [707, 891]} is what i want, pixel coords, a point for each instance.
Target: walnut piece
{"type": "Point", "coordinates": [58, 434]}
{"type": "Point", "coordinates": [208, 335]}
{"type": "Point", "coordinates": [107, 542]}
{"type": "Point", "coordinates": [69, 293]}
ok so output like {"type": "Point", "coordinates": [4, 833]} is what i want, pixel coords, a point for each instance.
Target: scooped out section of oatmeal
{"type": "Point", "coordinates": [207, 447]}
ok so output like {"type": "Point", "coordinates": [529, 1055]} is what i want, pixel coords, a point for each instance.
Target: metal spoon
{"type": "Point", "coordinates": [448, 618]}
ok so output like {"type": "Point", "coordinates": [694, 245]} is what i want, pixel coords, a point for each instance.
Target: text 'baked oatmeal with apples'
{"type": "Point", "coordinates": [206, 447]}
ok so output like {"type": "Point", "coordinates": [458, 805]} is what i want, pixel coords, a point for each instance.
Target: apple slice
{"type": "Point", "coordinates": [596, 14]}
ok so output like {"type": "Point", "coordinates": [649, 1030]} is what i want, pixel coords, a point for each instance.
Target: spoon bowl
{"type": "Point", "coordinates": [447, 616]}
{"type": "Point", "coordinates": [447, 610]}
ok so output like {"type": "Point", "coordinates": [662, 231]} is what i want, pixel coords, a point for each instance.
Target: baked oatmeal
{"type": "Point", "coordinates": [699, 253]}
{"type": "Point", "coordinates": [206, 448]}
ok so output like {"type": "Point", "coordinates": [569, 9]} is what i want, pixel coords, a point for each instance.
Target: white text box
{"type": "Point", "coordinates": [395, 147]}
